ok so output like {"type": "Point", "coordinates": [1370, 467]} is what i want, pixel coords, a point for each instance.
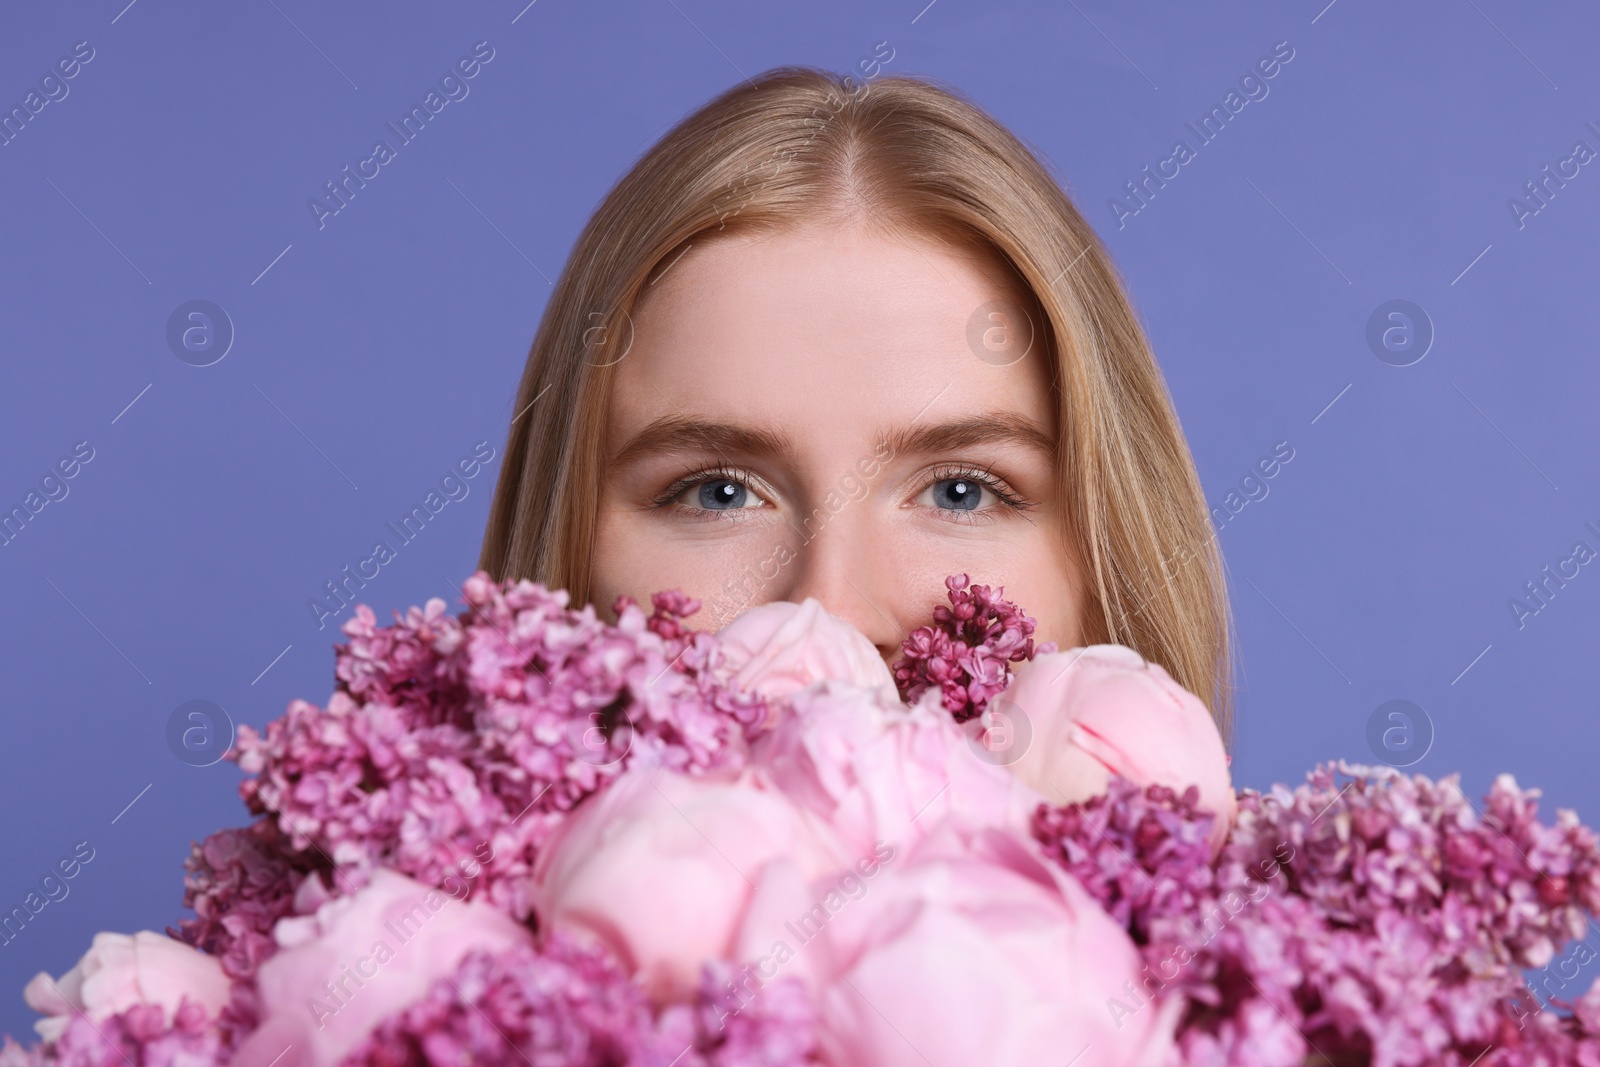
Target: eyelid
{"type": "Point", "coordinates": [1009, 498]}
{"type": "Point", "coordinates": [983, 476]}
{"type": "Point", "coordinates": [700, 475]}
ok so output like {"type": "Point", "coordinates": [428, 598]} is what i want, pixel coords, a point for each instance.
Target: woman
{"type": "Point", "coordinates": [840, 340]}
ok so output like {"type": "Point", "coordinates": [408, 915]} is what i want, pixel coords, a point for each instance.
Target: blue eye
{"type": "Point", "coordinates": [960, 494]}
{"type": "Point", "coordinates": [957, 494]}
{"type": "Point", "coordinates": [720, 494]}
{"type": "Point", "coordinates": [713, 492]}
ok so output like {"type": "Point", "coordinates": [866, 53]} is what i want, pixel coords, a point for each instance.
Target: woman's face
{"type": "Point", "coordinates": [833, 414]}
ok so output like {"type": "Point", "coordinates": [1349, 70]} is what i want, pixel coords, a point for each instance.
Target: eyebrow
{"type": "Point", "coordinates": [681, 433]}
{"type": "Point", "coordinates": [984, 429]}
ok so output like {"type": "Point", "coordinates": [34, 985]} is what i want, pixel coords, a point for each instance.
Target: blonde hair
{"type": "Point", "coordinates": [797, 144]}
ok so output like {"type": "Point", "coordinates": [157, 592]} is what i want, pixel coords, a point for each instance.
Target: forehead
{"type": "Point", "coordinates": [829, 324]}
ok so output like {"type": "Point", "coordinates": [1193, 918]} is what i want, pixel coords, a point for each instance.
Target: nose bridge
{"type": "Point", "coordinates": [840, 564]}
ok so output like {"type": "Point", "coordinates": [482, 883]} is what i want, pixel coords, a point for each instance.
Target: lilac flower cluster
{"type": "Point", "coordinates": [137, 1037]}
{"type": "Point", "coordinates": [566, 1005]}
{"type": "Point", "coordinates": [239, 883]}
{"type": "Point", "coordinates": [968, 651]}
{"type": "Point", "coordinates": [1364, 917]}
{"type": "Point", "coordinates": [776, 1027]}
{"type": "Point", "coordinates": [1143, 854]}
{"type": "Point", "coordinates": [1380, 921]}
{"type": "Point", "coordinates": [452, 747]}
{"type": "Point", "coordinates": [573, 1006]}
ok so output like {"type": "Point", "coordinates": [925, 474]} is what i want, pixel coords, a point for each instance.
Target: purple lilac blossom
{"type": "Point", "coordinates": [1383, 920]}
{"type": "Point", "coordinates": [968, 650]}
{"type": "Point", "coordinates": [453, 746]}
{"type": "Point", "coordinates": [571, 1005]}
{"type": "Point", "coordinates": [137, 1037]}
{"type": "Point", "coordinates": [1363, 917]}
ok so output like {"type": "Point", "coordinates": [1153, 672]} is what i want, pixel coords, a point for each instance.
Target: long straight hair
{"type": "Point", "coordinates": [905, 154]}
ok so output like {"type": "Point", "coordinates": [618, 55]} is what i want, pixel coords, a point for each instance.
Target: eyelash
{"type": "Point", "coordinates": [737, 475]}
{"type": "Point", "coordinates": [990, 481]}
{"type": "Point", "coordinates": [987, 479]}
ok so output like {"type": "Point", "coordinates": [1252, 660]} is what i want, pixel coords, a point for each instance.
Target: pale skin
{"type": "Point", "coordinates": [802, 415]}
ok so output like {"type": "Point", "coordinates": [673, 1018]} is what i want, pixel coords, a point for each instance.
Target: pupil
{"type": "Point", "coordinates": [960, 494]}
{"type": "Point", "coordinates": [721, 495]}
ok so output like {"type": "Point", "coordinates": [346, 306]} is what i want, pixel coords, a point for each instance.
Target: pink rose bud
{"type": "Point", "coordinates": [778, 648]}
{"type": "Point", "coordinates": [660, 866]}
{"type": "Point", "coordinates": [1103, 710]}
{"type": "Point", "coordinates": [120, 971]}
{"type": "Point", "coordinates": [357, 961]}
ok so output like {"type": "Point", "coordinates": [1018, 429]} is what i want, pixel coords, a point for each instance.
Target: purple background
{"type": "Point", "coordinates": [379, 349]}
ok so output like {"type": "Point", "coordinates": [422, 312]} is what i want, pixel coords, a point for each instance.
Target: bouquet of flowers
{"type": "Point", "coordinates": [522, 835]}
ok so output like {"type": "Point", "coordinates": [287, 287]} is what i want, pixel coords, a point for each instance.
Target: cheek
{"type": "Point", "coordinates": [618, 566]}
{"type": "Point", "coordinates": [637, 554]}
{"type": "Point", "coordinates": [1063, 623]}
{"type": "Point", "coordinates": [1028, 564]}
{"type": "Point", "coordinates": [1044, 588]}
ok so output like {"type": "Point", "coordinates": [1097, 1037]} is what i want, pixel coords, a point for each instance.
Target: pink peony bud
{"type": "Point", "coordinates": [660, 867]}
{"type": "Point", "coordinates": [879, 771]}
{"type": "Point", "coordinates": [778, 648]}
{"type": "Point", "coordinates": [1103, 710]}
{"type": "Point", "coordinates": [971, 950]}
{"type": "Point", "coordinates": [120, 971]}
{"type": "Point", "coordinates": [357, 961]}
